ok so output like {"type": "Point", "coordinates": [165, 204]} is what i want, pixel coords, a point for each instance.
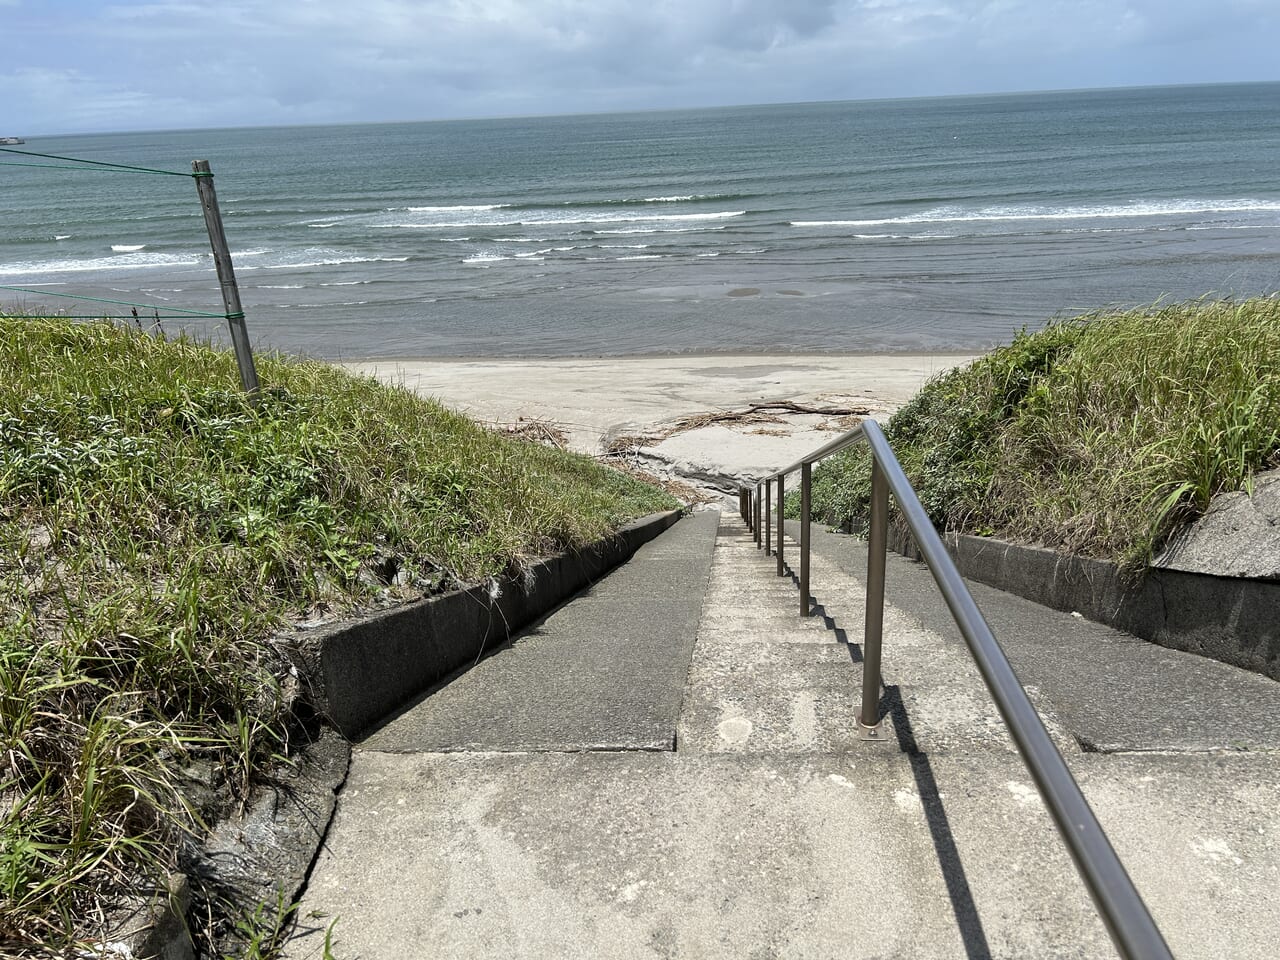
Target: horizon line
{"type": "Point", "coordinates": [654, 110]}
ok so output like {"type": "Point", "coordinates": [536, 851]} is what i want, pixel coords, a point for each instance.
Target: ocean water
{"type": "Point", "coordinates": [930, 224]}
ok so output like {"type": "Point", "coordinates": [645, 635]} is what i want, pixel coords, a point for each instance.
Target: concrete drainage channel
{"type": "Point", "coordinates": [605, 672]}
{"type": "Point", "coordinates": [359, 673]}
{"type": "Point", "coordinates": [1231, 619]}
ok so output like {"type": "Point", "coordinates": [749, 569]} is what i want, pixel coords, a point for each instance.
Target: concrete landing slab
{"type": "Point", "coordinates": [628, 856]}
{"type": "Point", "coordinates": [600, 673]}
{"type": "Point", "coordinates": [661, 855]}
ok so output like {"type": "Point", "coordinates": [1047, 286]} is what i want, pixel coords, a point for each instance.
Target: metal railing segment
{"type": "Point", "coordinates": [1118, 902]}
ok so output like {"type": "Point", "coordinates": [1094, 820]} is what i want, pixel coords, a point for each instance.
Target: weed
{"type": "Point", "coordinates": [260, 933]}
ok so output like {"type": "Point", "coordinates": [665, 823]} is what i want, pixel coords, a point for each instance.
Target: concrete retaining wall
{"type": "Point", "coordinates": [359, 671]}
{"type": "Point", "coordinates": [1234, 620]}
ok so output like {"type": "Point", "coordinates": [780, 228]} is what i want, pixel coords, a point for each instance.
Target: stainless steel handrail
{"type": "Point", "coordinates": [1118, 902]}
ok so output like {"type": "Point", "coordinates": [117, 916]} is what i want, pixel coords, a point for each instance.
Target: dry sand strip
{"type": "Point", "coordinates": [597, 399]}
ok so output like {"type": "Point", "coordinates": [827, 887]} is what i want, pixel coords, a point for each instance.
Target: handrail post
{"type": "Point", "coordinates": [806, 482]}
{"type": "Point", "coordinates": [877, 550]}
{"type": "Point", "coordinates": [781, 528]}
{"type": "Point", "coordinates": [755, 512]}
{"type": "Point", "coordinates": [768, 516]}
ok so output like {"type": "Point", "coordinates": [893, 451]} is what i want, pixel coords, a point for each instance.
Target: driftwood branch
{"type": "Point", "coordinates": [764, 413]}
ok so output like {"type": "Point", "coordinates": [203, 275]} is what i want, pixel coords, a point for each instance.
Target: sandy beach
{"type": "Point", "coordinates": [594, 402]}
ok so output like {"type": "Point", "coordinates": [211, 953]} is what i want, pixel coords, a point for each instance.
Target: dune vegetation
{"type": "Point", "coordinates": [157, 529]}
{"type": "Point", "coordinates": [1099, 435]}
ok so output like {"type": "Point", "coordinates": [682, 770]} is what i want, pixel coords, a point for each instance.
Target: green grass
{"type": "Point", "coordinates": [1098, 435]}
{"type": "Point", "coordinates": [156, 529]}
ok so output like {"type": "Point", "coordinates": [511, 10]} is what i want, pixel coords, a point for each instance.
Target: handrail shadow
{"type": "Point", "coordinates": [972, 933]}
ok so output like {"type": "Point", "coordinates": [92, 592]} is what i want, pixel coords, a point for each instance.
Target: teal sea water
{"type": "Point", "coordinates": [861, 226]}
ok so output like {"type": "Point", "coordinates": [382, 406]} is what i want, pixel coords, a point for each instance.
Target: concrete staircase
{"type": "Point", "coordinates": [668, 766]}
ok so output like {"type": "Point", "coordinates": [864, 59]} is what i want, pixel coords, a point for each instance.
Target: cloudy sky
{"type": "Point", "coordinates": [73, 65]}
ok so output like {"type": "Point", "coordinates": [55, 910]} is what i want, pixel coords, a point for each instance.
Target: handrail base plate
{"type": "Point", "coordinates": [878, 733]}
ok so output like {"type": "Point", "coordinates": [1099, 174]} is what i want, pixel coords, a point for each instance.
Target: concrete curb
{"type": "Point", "coordinates": [359, 671]}
{"type": "Point", "coordinates": [1234, 620]}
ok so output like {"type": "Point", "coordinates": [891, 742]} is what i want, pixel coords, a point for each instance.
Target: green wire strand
{"type": "Point", "coordinates": [45, 166]}
{"type": "Point", "coordinates": [122, 303]}
{"type": "Point", "coordinates": [103, 163]}
{"type": "Point", "coordinates": [141, 316]}
{"type": "Point", "coordinates": [172, 313]}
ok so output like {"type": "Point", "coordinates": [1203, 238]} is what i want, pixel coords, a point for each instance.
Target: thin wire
{"type": "Point", "coordinates": [48, 166]}
{"type": "Point", "coordinates": [103, 163]}
{"type": "Point", "coordinates": [174, 313]}
{"type": "Point", "coordinates": [99, 316]}
{"type": "Point", "coordinates": [123, 303]}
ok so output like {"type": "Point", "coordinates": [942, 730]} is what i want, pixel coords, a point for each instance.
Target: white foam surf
{"type": "Point", "coordinates": [556, 218]}
{"type": "Point", "coordinates": [328, 261]}
{"type": "Point", "coordinates": [125, 261]}
{"type": "Point", "coordinates": [461, 207]}
{"type": "Point", "coordinates": [1026, 212]}
{"type": "Point", "coordinates": [643, 230]}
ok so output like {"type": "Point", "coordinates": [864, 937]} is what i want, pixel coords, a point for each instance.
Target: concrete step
{"type": "Point", "coordinates": [761, 678]}
{"type": "Point", "coordinates": [766, 680]}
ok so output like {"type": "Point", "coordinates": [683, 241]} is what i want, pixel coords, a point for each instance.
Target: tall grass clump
{"type": "Point", "coordinates": [1099, 435]}
{"type": "Point", "coordinates": [157, 528]}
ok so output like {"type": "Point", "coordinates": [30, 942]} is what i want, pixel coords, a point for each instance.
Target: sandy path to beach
{"type": "Point", "coordinates": [595, 400]}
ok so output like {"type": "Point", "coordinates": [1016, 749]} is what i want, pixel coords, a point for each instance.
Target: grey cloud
{"type": "Point", "coordinates": [761, 24]}
{"type": "Point", "coordinates": [263, 61]}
